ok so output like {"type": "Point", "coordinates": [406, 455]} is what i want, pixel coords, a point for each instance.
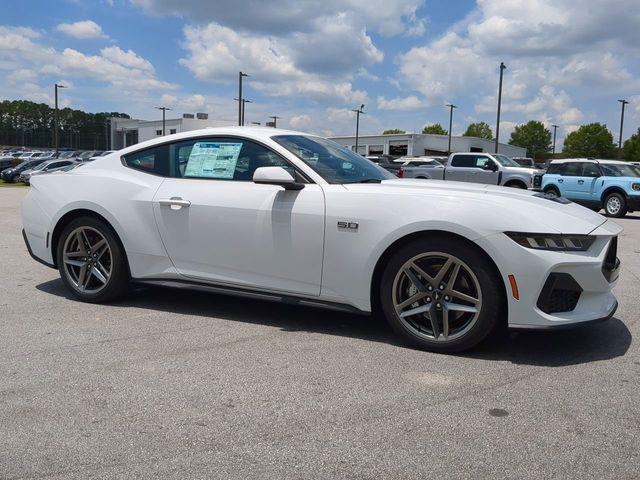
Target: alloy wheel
{"type": "Point", "coordinates": [613, 205]}
{"type": "Point", "coordinates": [87, 260]}
{"type": "Point", "coordinates": [437, 296]}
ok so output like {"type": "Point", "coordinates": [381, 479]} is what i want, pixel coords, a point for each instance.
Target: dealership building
{"type": "Point", "coordinates": [418, 144]}
{"type": "Point", "coordinates": [129, 131]}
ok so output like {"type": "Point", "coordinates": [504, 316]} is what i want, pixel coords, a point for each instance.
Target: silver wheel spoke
{"type": "Point", "coordinates": [96, 273]}
{"type": "Point", "coordinates": [454, 275]}
{"type": "Point", "coordinates": [98, 245]}
{"type": "Point", "coordinates": [414, 311]}
{"type": "Point", "coordinates": [75, 263]}
{"type": "Point", "coordinates": [421, 272]}
{"type": "Point", "coordinates": [443, 271]}
{"type": "Point", "coordinates": [456, 307]}
{"type": "Point", "coordinates": [74, 254]}
{"type": "Point", "coordinates": [415, 280]}
{"type": "Point", "coordinates": [445, 322]}
{"type": "Point", "coordinates": [81, 276]}
{"type": "Point", "coordinates": [433, 318]}
{"type": "Point", "coordinates": [462, 296]}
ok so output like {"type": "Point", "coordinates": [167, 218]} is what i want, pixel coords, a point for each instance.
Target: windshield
{"type": "Point", "coordinates": [505, 161]}
{"type": "Point", "coordinates": [619, 170]}
{"type": "Point", "coordinates": [333, 162]}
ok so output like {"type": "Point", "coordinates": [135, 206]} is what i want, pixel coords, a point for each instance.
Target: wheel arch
{"type": "Point", "coordinates": [612, 189]}
{"type": "Point", "coordinates": [516, 181]}
{"type": "Point", "coordinates": [406, 239]}
{"type": "Point", "coordinates": [71, 215]}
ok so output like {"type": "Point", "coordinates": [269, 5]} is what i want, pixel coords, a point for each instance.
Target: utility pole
{"type": "Point", "coordinates": [358, 112]}
{"type": "Point", "coordinates": [164, 110]}
{"type": "Point", "coordinates": [451, 107]}
{"type": "Point", "coordinates": [623, 102]}
{"type": "Point", "coordinates": [106, 134]}
{"type": "Point", "coordinates": [502, 68]}
{"type": "Point", "coordinates": [555, 129]}
{"type": "Point", "coordinates": [240, 104]}
{"type": "Point", "coordinates": [275, 120]}
{"type": "Point", "coordinates": [55, 118]}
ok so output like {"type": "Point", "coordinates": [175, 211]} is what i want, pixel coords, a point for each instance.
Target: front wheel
{"type": "Point", "coordinates": [91, 261]}
{"type": "Point", "coordinates": [615, 205]}
{"type": "Point", "coordinates": [441, 294]}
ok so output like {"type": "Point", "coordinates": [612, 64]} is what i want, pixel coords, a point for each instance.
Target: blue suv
{"type": "Point", "coordinates": [597, 184]}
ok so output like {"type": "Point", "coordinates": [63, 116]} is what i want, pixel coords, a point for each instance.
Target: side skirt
{"type": "Point", "coordinates": [249, 293]}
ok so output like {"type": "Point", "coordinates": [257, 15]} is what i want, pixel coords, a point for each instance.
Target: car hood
{"type": "Point", "coordinates": [504, 208]}
{"type": "Point", "coordinates": [528, 170]}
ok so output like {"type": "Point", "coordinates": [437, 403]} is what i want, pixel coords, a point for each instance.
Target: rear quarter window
{"type": "Point", "coordinates": [467, 161]}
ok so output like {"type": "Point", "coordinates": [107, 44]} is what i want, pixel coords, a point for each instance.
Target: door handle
{"type": "Point", "coordinates": [580, 182]}
{"type": "Point", "coordinates": [174, 202]}
{"type": "Point", "coordinates": [560, 180]}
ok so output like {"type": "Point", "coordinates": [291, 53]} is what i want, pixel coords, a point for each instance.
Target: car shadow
{"type": "Point", "coordinates": [602, 341]}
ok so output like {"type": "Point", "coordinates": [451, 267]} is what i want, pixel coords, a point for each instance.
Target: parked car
{"type": "Point", "coordinates": [385, 161]}
{"type": "Point", "coordinates": [418, 167]}
{"type": "Point", "coordinates": [11, 174]}
{"type": "Point", "coordinates": [304, 219]}
{"type": "Point", "coordinates": [525, 162]}
{"type": "Point", "coordinates": [489, 168]}
{"type": "Point", "coordinates": [609, 184]}
{"type": "Point", "coordinates": [47, 166]}
{"type": "Point", "coordinates": [101, 154]}
{"type": "Point", "coordinates": [6, 163]}
{"type": "Point", "coordinates": [86, 155]}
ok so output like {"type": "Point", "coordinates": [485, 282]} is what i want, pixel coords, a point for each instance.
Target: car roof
{"type": "Point", "coordinates": [589, 160]}
{"type": "Point", "coordinates": [254, 132]}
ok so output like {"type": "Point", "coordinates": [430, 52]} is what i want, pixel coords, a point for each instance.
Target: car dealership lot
{"type": "Point", "coordinates": [182, 384]}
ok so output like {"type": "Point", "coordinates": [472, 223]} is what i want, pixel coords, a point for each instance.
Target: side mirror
{"type": "Point", "coordinates": [490, 166]}
{"type": "Point", "coordinates": [276, 176]}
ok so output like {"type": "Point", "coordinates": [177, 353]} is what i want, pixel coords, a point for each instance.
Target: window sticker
{"type": "Point", "coordinates": [213, 160]}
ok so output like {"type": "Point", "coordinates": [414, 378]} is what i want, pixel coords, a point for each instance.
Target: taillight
{"type": "Point", "coordinates": [401, 173]}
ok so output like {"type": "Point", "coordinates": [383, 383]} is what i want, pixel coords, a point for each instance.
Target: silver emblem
{"type": "Point", "coordinates": [348, 225]}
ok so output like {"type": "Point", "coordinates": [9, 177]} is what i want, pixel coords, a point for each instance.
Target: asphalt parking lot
{"type": "Point", "coordinates": [173, 384]}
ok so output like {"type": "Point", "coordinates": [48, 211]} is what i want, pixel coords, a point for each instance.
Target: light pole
{"type": "Point", "coordinates": [164, 110]}
{"type": "Point", "coordinates": [555, 129]}
{"type": "Point", "coordinates": [55, 118]}
{"type": "Point", "coordinates": [358, 112]}
{"type": "Point", "coordinates": [623, 102]}
{"type": "Point", "coordinates": [502, 68]}
{"type": "Point", "coordinates": [240, 104]}
{"type": "Point", "coordinates": [275, 120]}
{"type": "Point", "coordinates": [451, 107]}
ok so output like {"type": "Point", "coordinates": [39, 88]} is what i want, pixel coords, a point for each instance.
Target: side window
{"type": "Point", "coordinates": [590, 170]}
{"type": "Point", "coordinates": [152, 160]}
{"type": "Point", "coordinates": [572, 169]}
{"type": "Point", "coordinates": [467, 161]}
{"type": "Point", "coordinates": [222, 159]}
{"type": "Point", "coordinates": [555, 169]}
{"type": "Point", "coordinates": [481, 161]}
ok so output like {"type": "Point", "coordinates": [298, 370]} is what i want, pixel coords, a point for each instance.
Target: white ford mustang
{"type": "Point", "coordinates": [290, 216]}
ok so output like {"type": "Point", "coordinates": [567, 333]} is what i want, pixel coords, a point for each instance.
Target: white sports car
{"type": "Point", "coordinates": [295, 217]}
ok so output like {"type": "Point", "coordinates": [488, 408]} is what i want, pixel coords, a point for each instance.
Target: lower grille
{"type": "Point", "coordinates": [560, 294]}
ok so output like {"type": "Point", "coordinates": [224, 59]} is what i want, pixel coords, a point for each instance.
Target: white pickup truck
{"type": "Point", "coordinates": [490, 168]}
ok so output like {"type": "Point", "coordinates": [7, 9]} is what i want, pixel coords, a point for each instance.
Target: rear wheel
{"type": "Point", "coordinates": [91, 261]}
{"type": "Point", "coordinates": [615, 205]}
{"type": "Point", "coordinates": [441, 294]}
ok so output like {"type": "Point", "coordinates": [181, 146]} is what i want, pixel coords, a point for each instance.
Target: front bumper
{"type": "Point", "coordinates": [532, 269]}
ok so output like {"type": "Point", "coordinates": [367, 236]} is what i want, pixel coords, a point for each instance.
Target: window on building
{"type": "Point", "coordinates": [376, 149]}
{"type": "Point", "coordinates": [398, 149]}
{"type": "Point", "coordinates": [172, 131]}
{"type": "Point", "coordinates": [158, 132]}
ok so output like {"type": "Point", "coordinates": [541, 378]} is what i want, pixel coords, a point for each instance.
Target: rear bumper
{"type": "Point", "coordinates": [633, 202]}
{"type": "Point", "coordinates": [37, 259]}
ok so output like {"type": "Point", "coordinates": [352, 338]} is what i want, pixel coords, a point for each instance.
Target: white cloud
{"type": "Point", "coordinates": [84, 29]}
{"type": "Point", "coordinates": [400, 103]}
{"type": "Point", "coordinates": [301, 122]}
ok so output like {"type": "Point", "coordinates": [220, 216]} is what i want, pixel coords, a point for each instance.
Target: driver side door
{"type": "Point", "coordinates": [219, 227]}
{"type": "Point", "coordinates": [481, 173]}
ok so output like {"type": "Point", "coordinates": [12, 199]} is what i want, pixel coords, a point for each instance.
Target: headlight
{"type": "Point", "coordinates": [549, 241]}
{"type": "Point", "coordinates": [635, 186]}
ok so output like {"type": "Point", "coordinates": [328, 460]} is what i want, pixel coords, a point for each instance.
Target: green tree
{"type": "Point", "coordinates": [631, 148]}
{"type": "Point", "coordinates": [479, 129]}
{"type": "Point", "coordinates": [393, 131]}
{"type": "Point", "coordinates": [534, 137]}
{"type": "Point", "coordinates": [435, 129]}
{"type": "Point", "coordinates": [592, 140]}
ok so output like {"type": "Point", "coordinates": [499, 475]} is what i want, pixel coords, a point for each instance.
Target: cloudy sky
{"type": "Point", "coordinates": [310, 62]}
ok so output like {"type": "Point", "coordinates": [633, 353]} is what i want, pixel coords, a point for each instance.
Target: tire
{"type": "Point", "coordinates": [107, 277]}
{"type": "Point", "coordinates": [516, 185]}
{"type": "Point", "coordinates": [476, 280]}
{"type": "Point", "coordinates": [615, 205]}
{"type": "Point", "coordinates": [552, 191]}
